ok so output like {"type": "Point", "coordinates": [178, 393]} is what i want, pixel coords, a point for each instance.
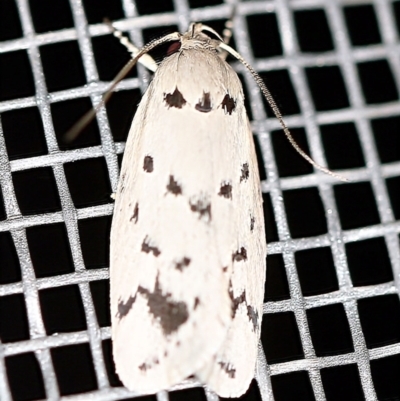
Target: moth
{"type": "Point", "coordinates": [188, 248]}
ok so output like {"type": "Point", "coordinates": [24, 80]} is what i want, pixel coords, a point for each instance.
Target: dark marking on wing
{"type": "Point", "coordinates": [148, 166]}
{"type": "Point", "coordinates": [253, 316]}
{"type": "Point", "coordinates": [226, 191]}
{"type": "Point", "coordinates": [144, 366]}
{"type": "Point", "coordinates": [228, 368]}
{"type": "Point", "coordinates": [184, 262]}
{"type": "Point", "coordinates": [135, 215]}
{"type": "Point", "coordinates": [175, 99]}
{"type": "Point", "coordinates": [228, 104]}
{"type": "Point", "coordinates": [122, 182]}
{"type": "Point", "coordinates": [225, 269]}
{"type": "Point", "coordinates": [236, 301]}
{"type": "Point", "coordinates": [240, 255]}
{"type": "Point", "coordinates": [125, 307]}
{"type": "Point", "coordinates": [204, 104]}
{"type": "Point", "coordinates": [147, 248]}
{"type": "Point", "coordinates": [202, 207]}
{"type": "Point", "coordinates": [169, 314]}
{"type": "Point", "coordinates": [173, 186]}
{"type": "Point", "coordinates": [252, 221]}
{"type": "Point", "coordinates": [245, 172]}
{"type": "Point", "coordinates": [196, 302]}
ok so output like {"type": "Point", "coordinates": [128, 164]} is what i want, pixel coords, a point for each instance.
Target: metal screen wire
{"type": "Point", "coordinates": [336, 238]}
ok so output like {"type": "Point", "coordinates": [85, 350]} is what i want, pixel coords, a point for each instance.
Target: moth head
{"type": "Point", "coordinates": [196, 32]}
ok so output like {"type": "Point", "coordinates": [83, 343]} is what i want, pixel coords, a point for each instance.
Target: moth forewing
{"type": "Point", "coordinates": [188, 248]}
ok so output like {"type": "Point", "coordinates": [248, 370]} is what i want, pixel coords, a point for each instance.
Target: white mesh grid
{"type": "Point", "coordinates": [345, 56]}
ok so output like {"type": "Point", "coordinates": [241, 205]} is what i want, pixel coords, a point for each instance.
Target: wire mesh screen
{"type": "Point", "coordinates": [331, 325]}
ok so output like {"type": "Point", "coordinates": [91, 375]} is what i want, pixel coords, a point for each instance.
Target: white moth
{"type": "Point", "coordinates": [188, 248]}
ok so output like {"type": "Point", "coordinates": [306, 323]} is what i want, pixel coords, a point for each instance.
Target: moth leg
{"type": "Point", "coordinates": [145, 60]}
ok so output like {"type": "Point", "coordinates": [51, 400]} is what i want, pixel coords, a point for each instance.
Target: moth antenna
{"type": "Point", "coordinates": [278, 115]}
{"type": "Point", "coordinates": [209, 29]}
{"type": "Point", "coordinates": [146, 59]}
{"type": "Point", "coordinates": [227, 36]}
{"type": "Point", "coordinates": [74, 131]}
{"type": "Point", "coordinates": [227, 33]}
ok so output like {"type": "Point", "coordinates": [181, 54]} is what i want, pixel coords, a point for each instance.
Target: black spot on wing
{"type": "Point", "coordinates": [181, 264]}
{"type": "Point", "coordinates": [169, 314]}
{"type": "Point", "coordinates": [135, 215]}
{"type": "Point", "coordinates": [196, 303]}
{"type": "Point", "coordinates": [173, 186]}
{"type": "Point", "coordinates": [244, 172]}
{"type": "Point", "coordinates": [147, 248]}
{"type": "Point", "coordinates": [122, 182]}
{"type": "Point", "coordinates": [240, 255]}
{"type": "Point", "coordinates": [125, 307]}
{"type": "Point", "coordinates": [228, 104]}
{"type": "Point", "coordinates": [228, 368]}
{"type": "Point", "coordinates": [236, 301]}
{"type": "Point", "coordinates": [225, 190]}
{"type": "Point", "coordinates": [202, 207]}
{"type": "Point", "coordinates": [148, 166]}
{"type": "Point", "coordinates": [175, 99]}
{"type": "Point", "coordinates": [252, 221]}
{"type": "Point", "coordinates": [145, 366]}
{"type": "Point", "coordinates": [253, 316]}
{"type": "Point", "coordinates": [204, 104]}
